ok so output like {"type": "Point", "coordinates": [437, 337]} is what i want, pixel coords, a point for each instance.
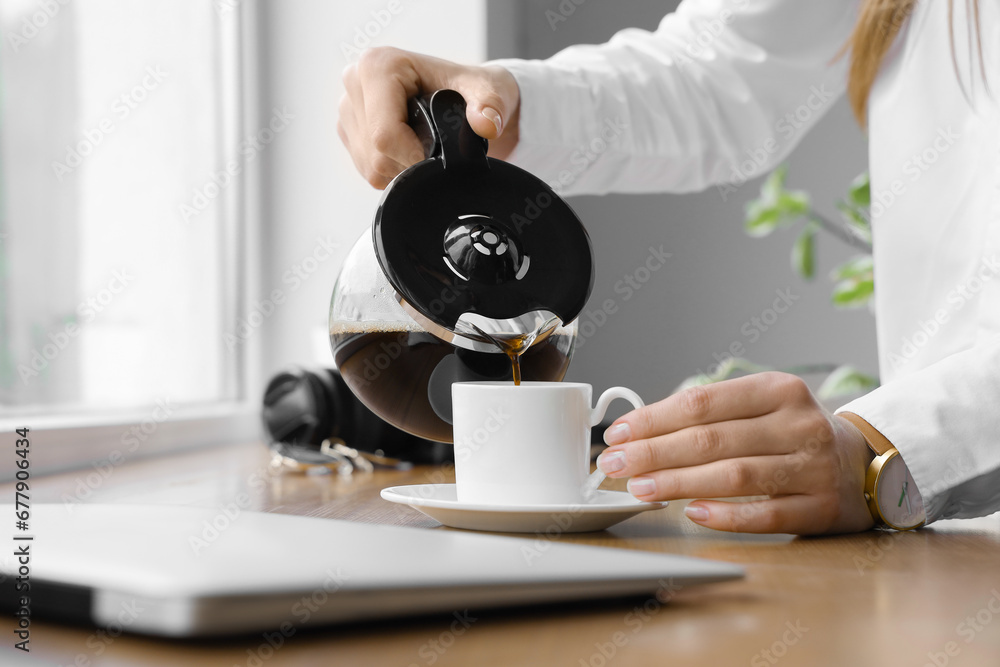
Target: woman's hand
{"type": "Point", "coordinates": [762, 434]}
{"type": "Point", "coordinates": [372, 121]}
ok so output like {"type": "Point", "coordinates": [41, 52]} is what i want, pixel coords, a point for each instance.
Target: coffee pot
{"type": "Point", "coordinates": [471, 263]}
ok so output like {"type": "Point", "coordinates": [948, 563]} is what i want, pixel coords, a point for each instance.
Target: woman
{"type": "Point", "coordinates": [720, 80]}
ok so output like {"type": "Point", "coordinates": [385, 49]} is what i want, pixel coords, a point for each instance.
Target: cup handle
{"type": "Point", "coordinates": [597, 477]}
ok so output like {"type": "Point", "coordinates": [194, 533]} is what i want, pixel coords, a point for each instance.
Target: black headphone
{"type": "Point", "coordinates": [303, 408]}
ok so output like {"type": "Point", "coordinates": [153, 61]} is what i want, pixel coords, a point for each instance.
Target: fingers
{"type": "Point", "coordinates": [813, 492]}
{"type": "Point", "coordinates": [388, 80]}
{"type": "Point", "coordinates": [796, 514]}
{"type": "Point", "coordinates": [698, 445]}
{"type": "Point", "coordinates": [748, 476]}
{"type": "Point", "coordinates": [373, 114]}
{"type": "Point", "coordinates": [741, 398]}
{"type": "Point", "coordinates": [774, 433]}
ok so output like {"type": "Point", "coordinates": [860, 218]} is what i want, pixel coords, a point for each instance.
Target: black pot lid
{"type": "Point", "coordinates": [464, 238]}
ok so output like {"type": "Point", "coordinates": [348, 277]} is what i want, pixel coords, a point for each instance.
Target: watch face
{"type": "Point", "coordinates": [897, 496]}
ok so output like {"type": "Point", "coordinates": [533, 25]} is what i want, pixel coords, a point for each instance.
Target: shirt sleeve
{"type": "Point", "coordinates": [719, 93]}
{"type": "Point", "coordinates": [945, 422]}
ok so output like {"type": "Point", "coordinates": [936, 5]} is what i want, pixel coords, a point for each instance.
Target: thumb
{"type": "Point", "coordinates": [491, 96]}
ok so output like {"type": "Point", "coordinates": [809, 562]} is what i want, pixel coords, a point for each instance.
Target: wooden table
{"type": "Point", "coordinates": [927, 597]}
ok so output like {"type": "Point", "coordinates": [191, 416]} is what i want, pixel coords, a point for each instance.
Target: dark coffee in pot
{"type": "Point", "coordinates": [405, 375]}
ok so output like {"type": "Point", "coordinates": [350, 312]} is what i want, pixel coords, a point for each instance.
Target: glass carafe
{"type": "Point", "coordinates": [465, 252]}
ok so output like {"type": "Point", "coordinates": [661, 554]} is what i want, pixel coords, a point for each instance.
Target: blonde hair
{"type": "Point", "coordinates": [878, 24]}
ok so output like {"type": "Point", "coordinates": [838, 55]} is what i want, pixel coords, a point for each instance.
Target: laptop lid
{"type": "Point", "coordinates": [186, 571]}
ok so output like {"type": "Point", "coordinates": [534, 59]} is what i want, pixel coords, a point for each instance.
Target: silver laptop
{"type": "Point", "coordinates": [184, 571]}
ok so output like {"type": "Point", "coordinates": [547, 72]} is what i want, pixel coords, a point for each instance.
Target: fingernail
{"type": "Point", "coordinates": [696, 512]}
{"type": "Point", "coordinates": [641, 486]}
{"type": "Point", "coordinates": [618, 434]}
{"type": "Point", "coordinates": [492, 115]}
{"type": "Point", "coordinates": [610, 462]}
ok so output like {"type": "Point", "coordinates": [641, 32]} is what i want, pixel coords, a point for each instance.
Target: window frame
{"type": "Point", "coordinates": [74, 439]}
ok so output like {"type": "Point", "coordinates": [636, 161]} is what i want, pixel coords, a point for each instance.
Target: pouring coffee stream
{"type": "Point", "coordinates": [473, 270]}
{"type": "Point", "coordinates": [512, 346]}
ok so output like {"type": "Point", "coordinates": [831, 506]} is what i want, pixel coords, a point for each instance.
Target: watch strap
{"type": "Point", "coordinates": [878, 442]}
{"type": "Point", "coordinates": [880, 445]}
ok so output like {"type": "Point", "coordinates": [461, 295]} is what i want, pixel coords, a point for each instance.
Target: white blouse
{"type": "Point", "coordinates": [724, 89]}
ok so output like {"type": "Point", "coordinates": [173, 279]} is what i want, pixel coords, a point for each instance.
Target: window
{"type": "Point", "coordinates": [139, 145]}
{"type": "Point", "coordinates": [123, 218]}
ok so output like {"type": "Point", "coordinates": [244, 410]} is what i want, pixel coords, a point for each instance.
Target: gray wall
{"type": "Point", "coordinates": [717, 278]}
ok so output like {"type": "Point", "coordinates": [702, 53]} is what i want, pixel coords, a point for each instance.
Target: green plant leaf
{"type": "Point", "coordinates": [859, 266]}
{"type": "Point", "coordinates": [852, 215]}
{"type": "Point", "coordinates": [761, 218]}
{"type": "Point", "coordinates": [804, 252]}
{"type": "Point", "coordinates": [853, 293]}
{"type": "Point", "coordinates": [794, 203]}
{"type": "Point", "coordinates": [774, 184]}
{"type": "Point", "coordinates": [856, 221]}
{"type": "Point", "coordinates": [776, 206]}
{"type": "Point", "coordinates": [844, 381]}
{"type": "Point", "coordinates": [860, 192]}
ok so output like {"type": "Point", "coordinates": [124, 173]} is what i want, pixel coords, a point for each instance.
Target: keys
{"type": "Point", "coordinates": [333, 455]}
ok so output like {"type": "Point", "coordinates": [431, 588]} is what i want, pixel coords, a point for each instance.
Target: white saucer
{"type": "Point", "coordinates": [439, 502]}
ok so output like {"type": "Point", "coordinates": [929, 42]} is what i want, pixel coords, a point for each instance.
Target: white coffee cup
{"type": "Point", "coordinates": [527, 444]}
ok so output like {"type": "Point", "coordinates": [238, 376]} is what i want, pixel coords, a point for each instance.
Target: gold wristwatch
{"type": "Point", "coordinates": [891, 493]}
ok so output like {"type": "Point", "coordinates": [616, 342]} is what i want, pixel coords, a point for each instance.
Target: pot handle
{"type": "Point", "coordinates": [439, 122]}
{"type": "Point", "coordinates": [419, 118]}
